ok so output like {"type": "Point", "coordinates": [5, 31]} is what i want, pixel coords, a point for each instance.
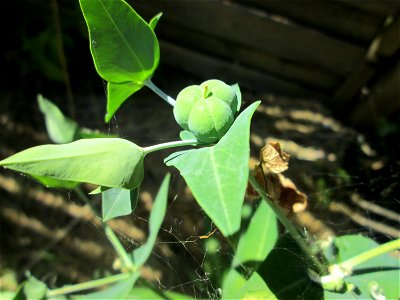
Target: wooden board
{"type": "Point", "coordinates": [258, 32]}
{"type": "Point", "coordinates": [311, 77]}
{"type": "Point", "coordinates": [331, 17]}
{"type": "Point", "coordinates": [210, 67]}
{"type": "Point", "coordinates": [383, 7]}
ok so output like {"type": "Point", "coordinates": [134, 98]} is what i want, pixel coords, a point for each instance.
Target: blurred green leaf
{"type": "Point", "coordinates": [144, 293]}
{"type": "Point", "coordinates": [217, 175]}
{"type": "Point", "coordinates": [259, 238]}
{"type": "Point", "coordinates": [107, 162]}
{"type": "Point", "coordinates": [119, 290]}
{"type": "Point", "coordinates": [34, 289]}
{"type": "Point", "coordinates": [85, 133]}
{"type": "Point", "coordinates": [60, 129]}
{"type": "Point", "coordinates": [157, 214]}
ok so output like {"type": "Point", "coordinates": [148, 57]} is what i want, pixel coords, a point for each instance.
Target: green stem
{"type": "Point", "coordinates": [288, 225]}
{"type": "Point", "coordinates": [168, 145]}
{"type": "Point", "coordinates": [87, 285]}
{"type": "Point", "coordinates": [367, 255]}
{"type": "Point", "coordinates": [126, 260]}
{"type": "Point", "coordinates": [159, 92]}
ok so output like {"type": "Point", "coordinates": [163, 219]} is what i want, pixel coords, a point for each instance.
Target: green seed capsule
{"type": "Point", "coordinates": [206, 110]}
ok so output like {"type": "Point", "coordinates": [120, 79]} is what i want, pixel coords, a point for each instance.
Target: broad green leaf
{"type": "Point", "coordinates": [108, 162]}
{"type": "Point", "coordinates": [259, 238]}
{"type": "Point", "coordinates": [154, 21]}
{"type": "Point", "coordinates": [285, 272]}
{"type": "Point", "coordinates": [236, 88]}
{"type": "Point", "coordinates": [34, 289]}
{"type": "Point", "coordinates": [379, 273]}
{"type": "Point", "coordinates": [118, 202]}
{"type": "Point", "coordinates": [117, 93]}
{"type": "Point", "coordinates": [119, 290]}
{"type": "Point", "coordinates": [59, 128]}
{"type": "Point", "coordinates": [217, 175]}
{"type": "Point", "coordinates": [139, 293]}
{"type": "Point", "coordinates": [157, 214]}
{"type": "Point", "coordinates": [235, 286]}
{"type": "Point", "coordinates": [123, 46]}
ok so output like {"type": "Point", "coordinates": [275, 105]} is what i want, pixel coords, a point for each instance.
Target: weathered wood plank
{"type": "Point", "coordinates": [258, 32]}
{"type": "Point", "coordinates": [309, 76]}
{"type": "Point", "coordinates": [383, 99]}
{"type": "Point", "coordinates": [203, 66]}
{"type": "Point", "coordinates": [386, 44]}
{"type": "Point", "coordinates": [384, 7]}
{"type": "Point", "coordinates": [332, 17]}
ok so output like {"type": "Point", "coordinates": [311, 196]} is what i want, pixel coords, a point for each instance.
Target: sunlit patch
{"type": "Point", "coordinates": [284, 125]}
{"type": "Point", "coordinates": [299, 151]}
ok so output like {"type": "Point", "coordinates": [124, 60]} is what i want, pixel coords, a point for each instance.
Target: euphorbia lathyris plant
{"type": "Point", "coordinates": [125, 52]}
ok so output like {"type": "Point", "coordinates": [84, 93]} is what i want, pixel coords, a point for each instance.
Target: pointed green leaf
{"type": "Point", "coordinates": [59, 128]}
{"type": "Point", "coordinates": [108, 162]}
{"type": "Point", "coordinates": [157, 214]}
{"type": "Point", "coordinates": [100, 189]}
{"type": "Point", "coordinates": [259, 238]}
{"type": "Point", "coordinates": [119, 290]}
{"type": "Point", "coordinates": [154, 21]}
{"type": "Point", "coordinates": [236, 286]}
{"type": "Point", "coordinates": [34, 289]}
{"type": "Point", "coordinates": [217, 175]}
{"type": "Point", "coordinates": [118, 202]}
{"type": "Point", "coordinates": [123, 46]}
{"type": "Point", "coordinates": [236, 88]}
{"type": "Point", "coordinates": [186, 135]}
{"type": "Point", "coordinates": [117, 93]}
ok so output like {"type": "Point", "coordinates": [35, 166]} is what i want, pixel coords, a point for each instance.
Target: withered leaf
{"type": "Point", "coordinates": [273, 159]}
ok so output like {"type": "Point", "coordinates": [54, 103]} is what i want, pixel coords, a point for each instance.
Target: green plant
{"type": "Point", "coordinates": [126, 53]}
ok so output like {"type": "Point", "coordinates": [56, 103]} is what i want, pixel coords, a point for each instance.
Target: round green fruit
{"type": "Point", "coordinates": [207, 110]}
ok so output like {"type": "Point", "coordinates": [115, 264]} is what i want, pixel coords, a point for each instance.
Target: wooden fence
{"type": "Point", "coordinates": [329, 50]}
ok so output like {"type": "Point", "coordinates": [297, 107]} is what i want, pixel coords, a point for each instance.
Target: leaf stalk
{"type": "Point", "coordinates": [171, 101]}
{"type": "Point", "coordinates": [168, 145]}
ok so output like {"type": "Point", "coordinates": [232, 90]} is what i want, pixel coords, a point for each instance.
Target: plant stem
{"type": "Point", "coordinates": [126, 260]}
{"type": "Point", "coordinates": [367, 255]}
{"type": "Point", "coordinates": [289, 226]}
{"type": "Point", "coordinates": [159, 92]}
{"type": "Point", "coordinates": [168, 145]}
{"type": "Point", "coordinates": [87, 285]}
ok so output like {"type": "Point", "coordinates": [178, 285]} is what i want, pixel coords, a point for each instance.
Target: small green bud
{"type": "Point", "coordinates": [207, 110]}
